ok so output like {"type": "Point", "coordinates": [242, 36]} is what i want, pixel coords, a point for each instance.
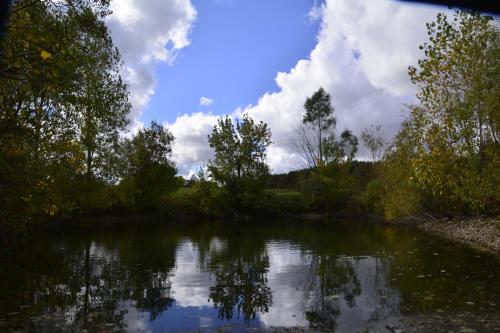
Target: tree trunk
{"type": "Point", "coordinates": [89, 166]}
{"type": "Point", "coordinates": [320, 162]}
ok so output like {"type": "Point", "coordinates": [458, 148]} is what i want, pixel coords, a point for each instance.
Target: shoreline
{"type": "Point", "coordinates": [480, 233]}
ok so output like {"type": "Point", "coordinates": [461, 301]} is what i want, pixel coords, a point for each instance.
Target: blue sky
{"type": "Point", "coordinates": [236, 49]}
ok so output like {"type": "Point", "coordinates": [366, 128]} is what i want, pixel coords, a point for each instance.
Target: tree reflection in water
{"type": "Point", "coordinates": [329, 279]}
{"type": "Point", "coordinates": [82, 290]}
{"type": "Point", "coordinates": [240, 269]}
{"type": "Point", "coordinates": [76, 283]}
{"type": "Point", "coordinates": [241, 285]}
{"type": "Point", "coordinates": [348, 292]}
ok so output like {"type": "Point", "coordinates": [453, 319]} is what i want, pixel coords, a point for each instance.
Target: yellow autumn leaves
{"type": "Point", "coordinates": [45, 55]}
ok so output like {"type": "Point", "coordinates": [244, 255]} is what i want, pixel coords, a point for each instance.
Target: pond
{"type": "Point", "coordinates": [252, 276]}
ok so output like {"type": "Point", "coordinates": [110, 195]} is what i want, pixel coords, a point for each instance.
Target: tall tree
{"type": "Point", "coordinates": [150, 173]}
{"type": "Point", "coordinates": [373, 139]}
{"type": "Point", "coordinates": [319, 115]}
{"type": "Point", "coordinates": [450, 154]}
{"type": "Point", "coordinates": [456, 123]}
{"type": "Point", "coordinates": [317, 140]}
{"type": "Point", "coordinates": [240, 152]}
{"type": "Point", "coordinates": [45, 52]}
{"type": "Point", "coordinates": [458, 81]}
{"type": "Point", "coordinates": [103, 104]}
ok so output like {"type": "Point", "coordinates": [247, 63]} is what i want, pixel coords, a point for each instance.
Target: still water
{"type": "Point", "coordinates": [342, 276]}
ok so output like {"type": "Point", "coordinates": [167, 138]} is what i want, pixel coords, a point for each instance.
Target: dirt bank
{"type": "Point", "coordinates": [480, 233]}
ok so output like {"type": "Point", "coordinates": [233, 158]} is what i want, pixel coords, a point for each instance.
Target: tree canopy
{"type": "Point", "coordinates": [321, 126]}
{"type": "Point", "coordinates": [317, 139]}
{"type": "Point", "coordinates": [149, 172]}
{"type": "Point", "coordinates": [62, 105]}
{"type": "Point", "coordinates": [447, 151]}
{"type": "Point", "coordinates": [240, 150]}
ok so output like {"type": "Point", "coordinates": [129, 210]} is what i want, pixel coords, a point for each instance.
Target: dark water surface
{"type": "Point", "coordinates": [247, 277]}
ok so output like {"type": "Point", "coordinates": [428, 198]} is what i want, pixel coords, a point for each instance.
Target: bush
{"type": "Point", "coordinates": [203, 198]}
{"type": "Point", "coordinates": [278, 202]}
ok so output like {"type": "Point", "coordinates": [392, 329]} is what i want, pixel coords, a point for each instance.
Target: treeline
{"type": "Point", "coordinates": [64, 111]}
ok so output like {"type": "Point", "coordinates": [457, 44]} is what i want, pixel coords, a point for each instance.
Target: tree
{"type": "Point", "coordinates": [47, 49]}
{"type": "Point", "coordinates": [348, 145]}
{"type": "Point", "coordinates": [449, 160]}
{"type": "Point", "coordinates": [103, 105]}
{"type": "Point", "coordinates": [150, 174]}
{"type": "Point", "coordinates": [319, 117]}
{"type": "Point", "coordinates": [317, 141]}
{"type": "Point", "coordinates": [240, 153]}
{"type": "Point", "coordinates": [456, 124]}
{"type": "Point", "coordinates": [458, 79]}
{"type": "Point", "coordinates": [397, 194]}
{"type": "Point", "coordinates": [373, 139]}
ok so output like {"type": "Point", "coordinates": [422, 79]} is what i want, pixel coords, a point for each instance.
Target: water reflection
{"type": "Point", "coordinates": [344, 276]}
{"type": "Point", "coordinates": [240, 278]}
{"type": "Point", "coordinates": [328, 292]}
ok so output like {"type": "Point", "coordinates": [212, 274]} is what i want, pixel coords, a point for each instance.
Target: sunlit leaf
{"type": "Point", "coordinates": [45, 55]}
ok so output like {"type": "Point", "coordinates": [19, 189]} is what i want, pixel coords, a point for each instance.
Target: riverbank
{"type": "Point", "coordinates": [480, 233]}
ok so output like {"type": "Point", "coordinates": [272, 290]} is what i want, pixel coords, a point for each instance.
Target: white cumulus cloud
{"type": "Point", "coordinates": [147, 32]}
{"type": "Point", "coordinates": [191, 140]}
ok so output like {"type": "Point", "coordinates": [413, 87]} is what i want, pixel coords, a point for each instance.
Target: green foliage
{"type": "Point", "coordinates": [210, 199]}
{"type": "Point", "coordinates": [240, 156]}
{"type": "Point", "coordinates": [370, 197]}
{"type": "Point", "coordinates": [446, 159]}
{"type": "Point", "coordinates": [103, 102]}
{"type": "Point", "coordinates": [348, 145]}
{"type": "Point", "coordinates": [203, 198]}
{"type": "Point", "coordinates": [335, 189]}
{"type": "Point", "coordinates": [149, 173]}
{"type": "Point", "coordinates": [317, 141]}
{"type": "Point", "coordinates": [287, 180]}
{"type": "Point", "coordinates": [63, 104]}
{"type": "Point", "coordinates": [398, 194]}
{"type": "Point", "coordinates": [319, 111]}
{"type": "Point", "coordinates": [275, 202]}
{"type": "Point", "coordinates": [320, 190]}
{"type": "Point", "coordinates": [317, 134]}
